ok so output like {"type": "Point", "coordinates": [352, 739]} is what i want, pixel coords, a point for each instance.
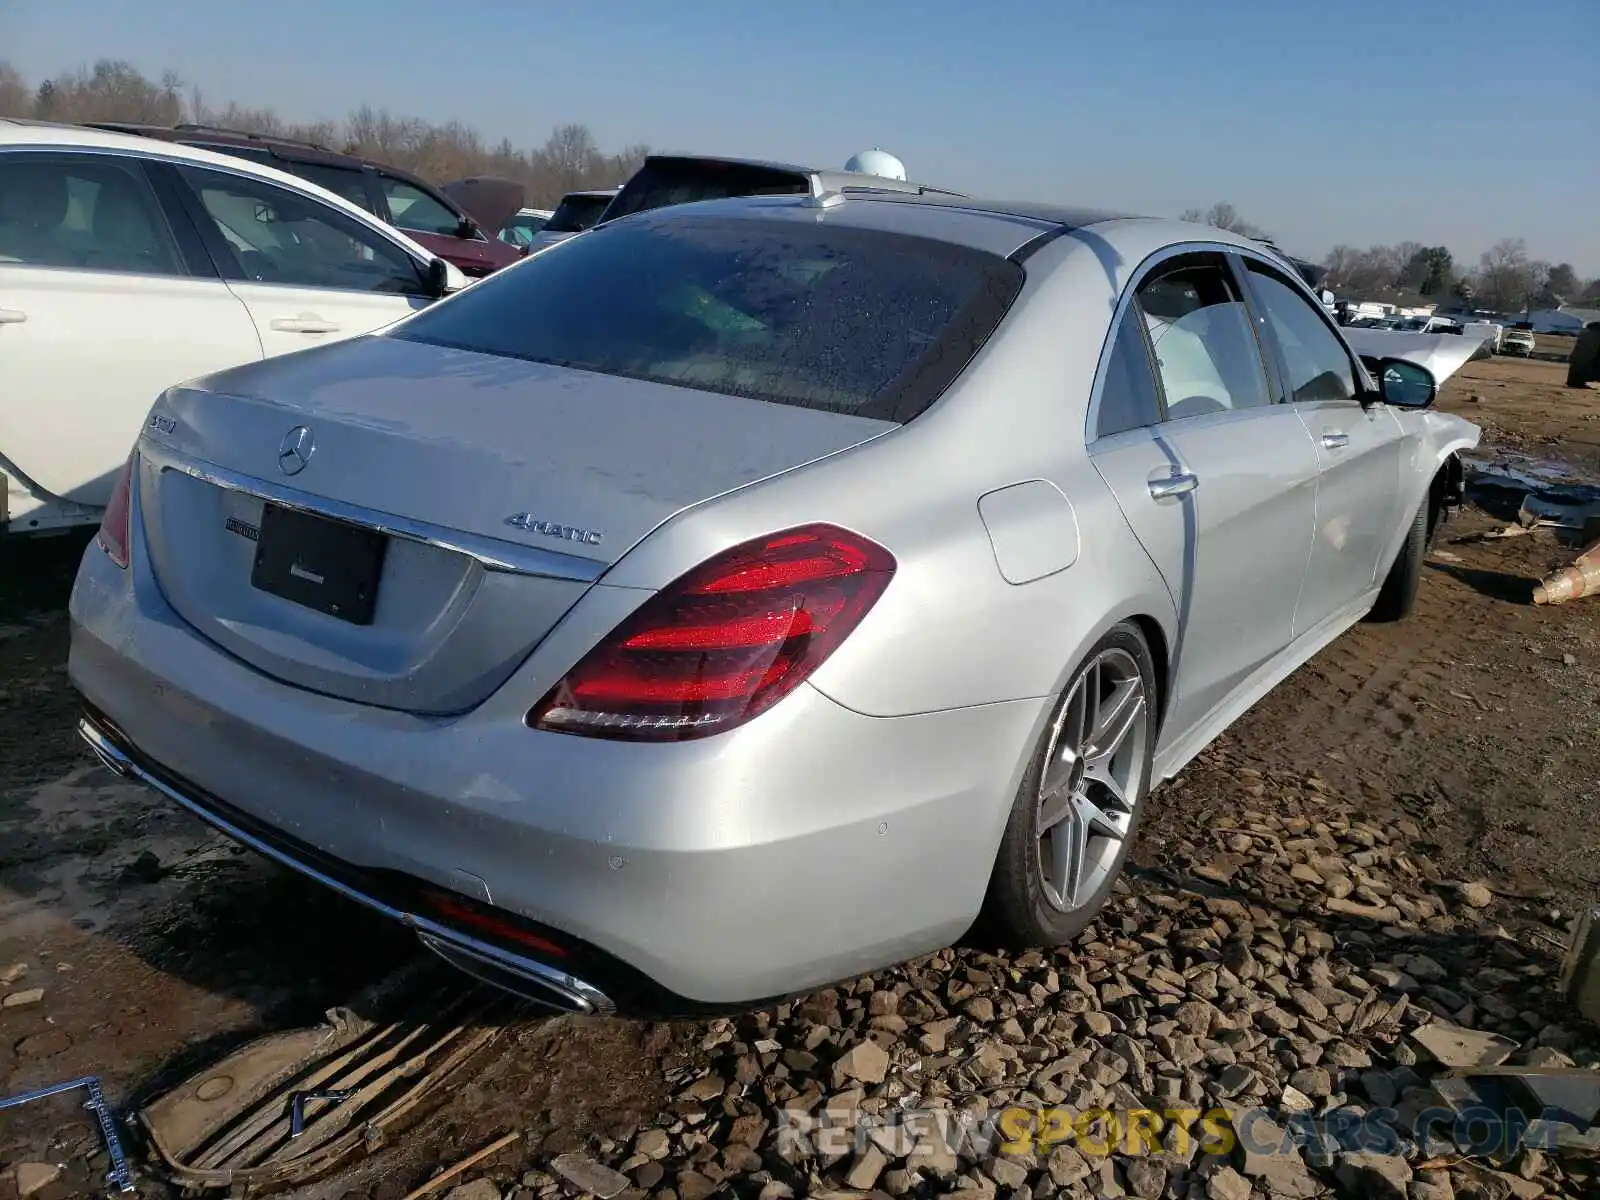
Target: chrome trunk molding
{"type": "Point", "coordinates": [494, 554]}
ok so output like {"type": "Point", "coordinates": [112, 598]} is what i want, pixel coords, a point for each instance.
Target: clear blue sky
{"type": "Point", "coordinates": [1349, 121]}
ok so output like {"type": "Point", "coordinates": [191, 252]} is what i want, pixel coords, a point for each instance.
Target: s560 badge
{"type": "Point", "coordinates": [522, 520]}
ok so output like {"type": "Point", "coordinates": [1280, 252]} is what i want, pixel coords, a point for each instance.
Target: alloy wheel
{"type": "Point", "coordinates": [1092, 779]}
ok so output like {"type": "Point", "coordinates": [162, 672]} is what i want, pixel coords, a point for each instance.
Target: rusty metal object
{"type": "Point", "coordinates": [1582, 578]}
{"type": "Point", "coordinates": [291, 1106]}
{"type": "Point", "coordinates": [1580, 971]}
{"type": "Point", "coordinates": [119, 1176]}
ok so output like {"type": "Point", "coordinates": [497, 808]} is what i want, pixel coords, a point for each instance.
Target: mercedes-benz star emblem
{"type": "Point", "coordinates": [295, 450]}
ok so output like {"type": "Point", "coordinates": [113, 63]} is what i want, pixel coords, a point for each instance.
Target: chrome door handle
{"type": "Point", "coordinates": [305, 324]}
{"type": "Point", "coordinates": [1335, 441]}
{"type": "Point", "coordinates": [1172, 485]}
{"type": "Point", "coordinates": [12, 316]}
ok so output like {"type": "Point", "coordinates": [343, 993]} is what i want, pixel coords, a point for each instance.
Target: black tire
{"type": "Point", "coordinates": [1016, 910]}
{"type": "Point", "coordinates": [1399, 593]}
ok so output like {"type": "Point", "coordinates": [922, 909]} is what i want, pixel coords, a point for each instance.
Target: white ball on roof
{"type": "Point", "coordinates": [877, 162]}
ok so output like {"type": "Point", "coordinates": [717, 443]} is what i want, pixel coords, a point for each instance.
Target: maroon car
{"type": "Point", "coordinates": [460, 230]}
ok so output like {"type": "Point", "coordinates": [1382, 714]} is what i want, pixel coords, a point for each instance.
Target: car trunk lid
{"type": "Point", "coordinates": [498, 490]}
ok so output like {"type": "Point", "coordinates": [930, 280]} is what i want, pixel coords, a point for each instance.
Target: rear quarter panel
{"type": "Point", "coordinates": [951, 631]}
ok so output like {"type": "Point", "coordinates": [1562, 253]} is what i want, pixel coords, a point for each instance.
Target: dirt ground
{"type": "Point", "coordinates": [158, 945]}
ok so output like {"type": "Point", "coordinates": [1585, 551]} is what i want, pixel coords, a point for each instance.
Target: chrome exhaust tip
{"type": "Point", "coordinates": [110, 757]}
{"type": "Point", "coordinates": [547, 989]}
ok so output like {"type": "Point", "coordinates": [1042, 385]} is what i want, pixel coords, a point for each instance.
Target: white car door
{"type": "Point", "coordinates": [102, 306]}
{"type": "Point", "coordinates": [1219, 488]}
{"type": "Point", "coordinates": [308, 273]}
{"type": "Point", "coordinates": [1360, 451]}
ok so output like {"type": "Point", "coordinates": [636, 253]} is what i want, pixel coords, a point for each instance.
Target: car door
{"type": "Point", "coordinates": [1359, 448]}
{"type": "Point", "coordinates": [309, 273]}
{"type": "Point", "coordinates": [104, 303]}
{"type": "Point", "coordinates": [1220, 487]}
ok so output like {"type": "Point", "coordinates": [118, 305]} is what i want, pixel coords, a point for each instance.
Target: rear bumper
{"type": "Point", "coordinates": [528, 977]}
{"type": "Point", "coordinates": [811, 845]}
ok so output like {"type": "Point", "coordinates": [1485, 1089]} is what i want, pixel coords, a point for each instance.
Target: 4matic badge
{"type": "Point", "coordinates": [570, 533]}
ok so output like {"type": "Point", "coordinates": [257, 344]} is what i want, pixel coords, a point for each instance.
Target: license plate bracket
{"type": "Point", "coordinates": [319, 563]}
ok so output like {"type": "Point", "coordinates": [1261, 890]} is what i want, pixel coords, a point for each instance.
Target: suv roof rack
{"type": "Point", "coordinates": [280, 139]}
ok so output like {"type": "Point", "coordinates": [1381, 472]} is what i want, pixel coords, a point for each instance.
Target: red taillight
{"type": "Point", "coordinates": [725, 642]}
{"type": "Point", "coordinates": [115, 532]}
{"type": "Point", "coordinates": [461, 914]}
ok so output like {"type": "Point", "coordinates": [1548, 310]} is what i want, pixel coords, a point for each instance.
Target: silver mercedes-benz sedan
{"type": "Point", "coordinates": [753, 593]}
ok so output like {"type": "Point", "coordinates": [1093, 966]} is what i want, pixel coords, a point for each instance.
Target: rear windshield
{"type": "Point", "coordinates": [846, 320]}
{"type": "Point", "coordinates": [660, 183]}
{"type": "Point", "coordinates": [576, 213]}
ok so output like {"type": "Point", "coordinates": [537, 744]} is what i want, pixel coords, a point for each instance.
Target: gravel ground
{"type": "Point", "coordinates": [1391, 845]}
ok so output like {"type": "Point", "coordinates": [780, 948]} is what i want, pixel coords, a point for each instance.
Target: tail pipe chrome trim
{"type": "Point", "coordinates": [535, 981]}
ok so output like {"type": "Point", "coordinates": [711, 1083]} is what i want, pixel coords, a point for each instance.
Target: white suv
{"type": "Point", "coordinates": [129, 264]}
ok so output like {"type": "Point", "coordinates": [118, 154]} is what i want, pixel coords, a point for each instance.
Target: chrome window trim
{"type": "Point", "coordinates": [493, 554]}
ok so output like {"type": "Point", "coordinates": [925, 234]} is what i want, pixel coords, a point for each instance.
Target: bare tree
{"type": "Point", "coordinates": [1223, 215]}
{"type": "Point", "coordinates": [16, 97]}
{"type": "Point", "coordinates": [1505, 276]}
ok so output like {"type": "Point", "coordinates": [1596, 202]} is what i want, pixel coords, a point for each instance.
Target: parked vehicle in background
{"type": "Point", "coordinates": [666, 179]}
{"type": "Point", "coordinates": [753, 593]}
{"type": "Point", "coordinates": [1491, 333]}
{"type": "Point", "coordinates": [1428, 325]}
{"type": "Point", "coordinates": [406, 201]}
{"type": "Point", "coordinates": [521, 229]}
{"type": "Point", "coordinates": [577, 212]}
{"type": "Point", "coordinates": [129, 264]}
{"type": "Point", "coordinates": [1519, 342]}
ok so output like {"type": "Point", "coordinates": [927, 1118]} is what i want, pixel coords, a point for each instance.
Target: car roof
{"type": "Point", "coordinates": [1000, 227]}
{"type": "Point", "coordinates": [287, 147]}
{"type": "Point", "coordinates": [593, 192]}
{"type": "Point", "coordinates": [52, 135]}
{"type": "Point", "coordinates": [996, 226]}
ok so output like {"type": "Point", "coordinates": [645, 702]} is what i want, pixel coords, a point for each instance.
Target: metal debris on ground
{"type": "Point", "coordinates": [293, 1105]}
{"type": "Point", "coordinates": [119, 1176]}
{"type": "Point", "coordinates": [1550, 1108]}
{"type": "Point", "coordinates": [1580, 971]}
{"type": "Point", "coordinates": [1582, 578]}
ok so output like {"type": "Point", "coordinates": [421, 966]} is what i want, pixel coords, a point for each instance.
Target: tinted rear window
{"type": "Point", "coordinates": [576, 213]}
{"type": "Point", "coordinates": [658, 184]}
{"type": "Point", "coordinates": [846, 320]}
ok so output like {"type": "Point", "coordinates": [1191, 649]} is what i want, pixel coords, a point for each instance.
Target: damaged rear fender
{"type": "Point", "coordinates": [1433, 472]}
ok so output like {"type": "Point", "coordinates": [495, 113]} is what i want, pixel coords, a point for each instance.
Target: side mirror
{"type": "Point", "coordinates": [441, 278]}
{"type": "Point", "coordinates": [1406, 384]}
{"type": "Point", "coordinates": [468, 228]}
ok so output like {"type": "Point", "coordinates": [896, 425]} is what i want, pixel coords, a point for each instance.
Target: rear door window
{"type": "Point", "coordinates": [1205, 349]}
{"type": "Point", "coordinates": [576, 213]}
{"type": "Point", "coordinates": [845, 320]}
{"type": "Point", "coordinates": [663, 182]}
{"type": "Point", "coordinates": [412, 208]}
{"type": "Point", "coordinates": [91, 212]}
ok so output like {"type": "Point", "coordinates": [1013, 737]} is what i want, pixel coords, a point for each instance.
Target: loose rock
{"type": "Point", "coordinates": [583, 1172]}
{"type": "Point", "coordinates": [865, 1062]}
{"type": "Point", "coordinates": [35, 1176]}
